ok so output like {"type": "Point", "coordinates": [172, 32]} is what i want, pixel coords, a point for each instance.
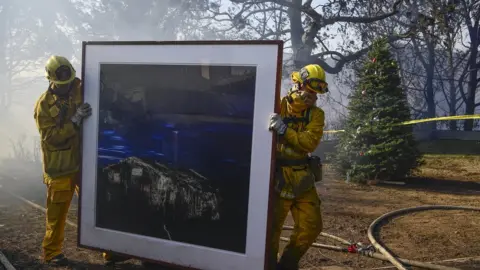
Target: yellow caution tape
{"type": "Point", "coordinates": [334, 131]}
{"type": "Point", "coordinates": [411, 122]}
{"type": "Point", "coordinates": [445, 118]}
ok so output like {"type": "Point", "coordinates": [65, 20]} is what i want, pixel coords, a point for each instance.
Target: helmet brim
{"type": "Point", "coordinates": [296, 77]}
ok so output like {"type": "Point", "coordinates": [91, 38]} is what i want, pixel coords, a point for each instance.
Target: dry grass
{"type": "Point", "coordinates": [458, 167]}
{"type": "Point", "coordinates": [349, 209]}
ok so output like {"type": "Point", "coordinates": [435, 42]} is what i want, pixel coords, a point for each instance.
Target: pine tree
{"type": "Point", "coordinates": [374, 146]}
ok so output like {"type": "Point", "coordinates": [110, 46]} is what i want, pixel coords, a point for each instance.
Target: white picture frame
{"type": "Point", "coordinates": [266, 56]}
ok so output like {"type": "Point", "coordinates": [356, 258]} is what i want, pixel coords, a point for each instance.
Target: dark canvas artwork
{"type": "Point", "coordinates": [174, 152]}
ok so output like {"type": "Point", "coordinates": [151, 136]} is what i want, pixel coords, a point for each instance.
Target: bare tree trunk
{"type": "Point", "coordinates": [472, 83]}
{"type": "Point", "coordinates": [301, 53]}
{"type": "Point", "coordinates": [430, 90]}
{"type": "Point", "coordinates": [473, 67]}
{"type": "Point", "coordinates": [452, 89]}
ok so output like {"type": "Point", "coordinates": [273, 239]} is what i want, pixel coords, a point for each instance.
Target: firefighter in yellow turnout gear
{"type": "Point", "coordinates": [58, 115]}
{"type": "Point", "coordinates": [299, 127]}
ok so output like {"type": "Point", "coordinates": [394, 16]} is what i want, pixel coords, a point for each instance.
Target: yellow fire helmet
{"type": "Point", "coordinates": [59, 70]}
{"type": "Point", "coordinates": [313, 77]}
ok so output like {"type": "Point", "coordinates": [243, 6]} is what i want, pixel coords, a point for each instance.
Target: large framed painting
{"type": "Point", "coordinates": [177, 155]}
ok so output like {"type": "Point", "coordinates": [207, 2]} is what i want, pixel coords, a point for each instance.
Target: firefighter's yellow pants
{"type": "Point", "coordinates": [307, 216]}
{"type": "Point", "coordinates": [59, 196]}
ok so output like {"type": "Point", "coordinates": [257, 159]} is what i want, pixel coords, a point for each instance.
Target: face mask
{"type": "Point", "coordinates": [300, 100]}
{"type": "Point", "coordinates": [296, 101]}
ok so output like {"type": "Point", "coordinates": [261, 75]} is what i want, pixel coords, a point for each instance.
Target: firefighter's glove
{"type": "Point", "coordinates": [83, 112]}
{"type": "Point", "coordinates": [276, 123]}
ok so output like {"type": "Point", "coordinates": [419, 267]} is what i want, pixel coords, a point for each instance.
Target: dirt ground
{"type": "Point", "coordinates": [348, 210]}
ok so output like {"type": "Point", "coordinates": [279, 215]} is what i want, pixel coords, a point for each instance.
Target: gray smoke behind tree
{"type": "Point", "coordinates": [333, 33]}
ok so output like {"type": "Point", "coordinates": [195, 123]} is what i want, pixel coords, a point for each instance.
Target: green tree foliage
{"type": "Point", "coordinates": [374, 146]}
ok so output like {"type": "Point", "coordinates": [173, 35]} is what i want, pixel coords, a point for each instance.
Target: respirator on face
{"type": "Point", "coordinates": [297, 99]}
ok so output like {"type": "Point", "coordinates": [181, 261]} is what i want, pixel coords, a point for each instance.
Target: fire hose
{"type": "Point", "coordinates": [376, 250]}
